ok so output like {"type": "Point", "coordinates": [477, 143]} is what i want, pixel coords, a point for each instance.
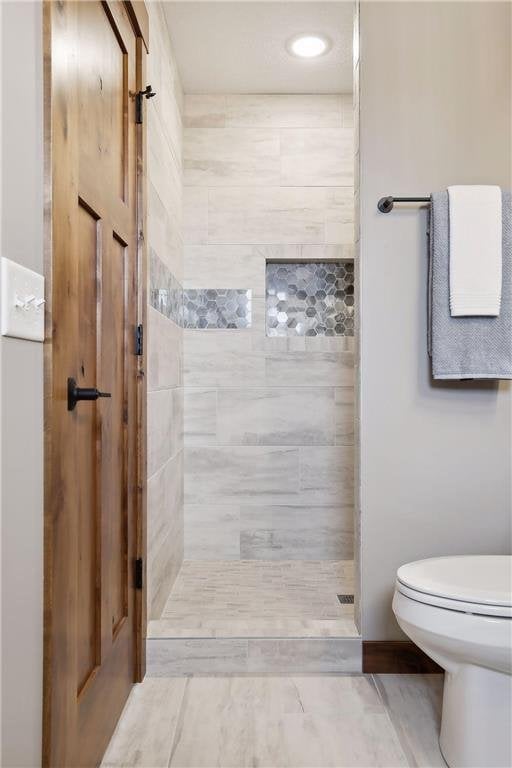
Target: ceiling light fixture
{"type": "Point", "coordinates": [308, 46]}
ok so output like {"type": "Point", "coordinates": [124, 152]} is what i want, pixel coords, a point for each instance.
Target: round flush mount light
{"type": "Point", "coordinates": [308, 46]}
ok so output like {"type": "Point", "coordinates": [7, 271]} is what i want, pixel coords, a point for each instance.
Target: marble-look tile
{"type": "Point", "coordinates": [311, 368]}
{"type": "Point", "coordinates": [283, 111]}
{"type": "Point", "coordinates": [164, 170]}
{"type": "Point", "coordinates": [165, 426]}
{"type": "Point", "coordinates": [339, 216]}
{"type": "Point", "coordinates": [312, 544]}
{"type": "Point", "coordinates": [230, 715]}
{"type": "Point", "coordinates": [253, 627]}
{"type": "Point", "coordinates": [317, 157]}
{"type": "Point", "coordinates": [167, 657]}
{"type": "Point", "coordinates": [344, 400]}
{"type": "Point", "coordinates": [279, 214]}
{"type": "Point", "coordinates": [327, 474]}
{"type": "Point", "coordinates": [297, 532]}
{"type": "Point", "coordinates": [147, 726]}
{"type": "Point", "coordinates": [276, 416]}
{"type": "Point", "coordinates": [222, 358]}
{"type": "Point", "coordinates": [341, 741]}
{"type": "Point", "coordinates": [260, 590]}
{"type": "Point", "coordinates": [164, 562]}
{"type": "Point", "coordinates": [231, 157]}
{"type": "Point", "coordinates": [246, 721]}
{"type": "Point", "coordinates": [347, 110]}
{"type": "Point", "coordinates": [195, 215]}
{"type": "Point", "coordinates": [200, 420]}
{"type": "Point", "coordinates": [212, 532]}
{"type": "Point", "coordinates": [165, 503]}
{"type": "Point", "coordinates": [197, 656]}
{"type": "Point", "coordinates": [217, 475]}
{"type": "Point", "coordinates": [165, 234]}
{"type": "Point", "coordinates": [204, 111]}
{"type": "Point", "coordinates": [312, 252]}
{"type": "Point", "coordinates": [414, 704]}
{"type": "Point", "coordinates": [296, 656]}
{"type": "Point", "coordinates": [297, 721]}
{"type": "Point", "coordinates": [225, 266]}
{"type": "Point", "coordinates": [165, 352]}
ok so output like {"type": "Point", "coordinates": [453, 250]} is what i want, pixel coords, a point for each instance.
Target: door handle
{"type": "Point", "coordinates": [82, 393]}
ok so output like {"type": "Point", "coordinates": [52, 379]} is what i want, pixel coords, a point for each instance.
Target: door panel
{"type": "Point", "coordinates": [92, 491]}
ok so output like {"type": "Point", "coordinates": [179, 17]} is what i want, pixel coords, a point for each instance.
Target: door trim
{"type": "Point", "coordinates": [138, 15]}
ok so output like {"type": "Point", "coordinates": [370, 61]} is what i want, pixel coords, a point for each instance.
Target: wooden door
{"type": "Point", "coordinates": [93, 628]}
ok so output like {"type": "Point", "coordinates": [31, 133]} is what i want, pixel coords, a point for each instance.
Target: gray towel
{"type": "Point", "coordinates": [467, 347]}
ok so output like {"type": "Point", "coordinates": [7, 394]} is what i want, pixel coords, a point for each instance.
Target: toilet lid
{"type": "Point", "coordinates": [485, 580]}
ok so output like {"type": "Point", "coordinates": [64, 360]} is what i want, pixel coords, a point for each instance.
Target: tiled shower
{"type": "Point", "coordinates": [263, 303]}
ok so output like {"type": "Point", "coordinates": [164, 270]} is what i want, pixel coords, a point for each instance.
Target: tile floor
{"type": "Point", "coordinates": [287, 721]}
{"type": "Point", "coordinates": [258, 598]}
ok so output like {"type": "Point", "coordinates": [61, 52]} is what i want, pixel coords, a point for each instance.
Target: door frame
{"type": "Point", "coordinates": [137, 12]}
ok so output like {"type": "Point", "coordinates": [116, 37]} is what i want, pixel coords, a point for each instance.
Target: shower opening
{"type": "Point", "coordinates": [252, 346]}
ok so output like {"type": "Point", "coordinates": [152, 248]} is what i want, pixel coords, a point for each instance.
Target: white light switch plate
{"type": "Point", "coordinates": [22, 302]}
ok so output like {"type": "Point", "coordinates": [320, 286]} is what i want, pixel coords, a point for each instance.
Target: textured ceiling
{"type": "Point", "coordinates": [240, 47]}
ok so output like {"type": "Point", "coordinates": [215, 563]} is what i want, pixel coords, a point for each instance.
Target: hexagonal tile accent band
{"type": "Point", "coordinates": [217, 308]}
{"type": "Point", "coordinates": [310, 298]}
{"type": "Point", "coordinates": [165, 291]}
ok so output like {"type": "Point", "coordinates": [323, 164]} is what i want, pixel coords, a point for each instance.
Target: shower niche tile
{"type": "Point", "coordinates": [310, 298]}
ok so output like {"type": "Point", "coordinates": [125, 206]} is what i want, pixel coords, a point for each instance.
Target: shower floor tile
{"type": "Point", "coordinates": [255, 598]}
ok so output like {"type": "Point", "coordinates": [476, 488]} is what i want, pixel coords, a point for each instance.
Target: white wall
{"type": "Point", "coordinates": [22, 391]}
{"type": "Point", "coordinates": [435, 105]}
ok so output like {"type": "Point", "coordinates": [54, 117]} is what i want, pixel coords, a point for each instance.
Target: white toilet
{"type": "Point", "coordinates": [458, 610]}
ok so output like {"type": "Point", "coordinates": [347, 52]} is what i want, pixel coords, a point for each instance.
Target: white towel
{"type": "Point", "coordinates": [475, 250]}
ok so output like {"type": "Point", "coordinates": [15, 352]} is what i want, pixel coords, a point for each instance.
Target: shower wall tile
{"type": "Point", "coordinates": [165, 232]}
{"type": "Point", "coordinates": [225, 266]}
{"type": "Point", "coordinates": [164, 352]}
{"type": "Point", "coordinates": [227, 475]}
{"type": "Point", "coordinates": [212, 532]}
{"type": "Point", "coordinates": [276, 416]}
{"type": "Point", "coordinates": [200, 416]}
{"type": "Point", "coordinates": [279, 214]}
{"type": "Point", "coordinates": [284, 111]}
{"type": "Point", "coordinates": [164, 337]}
{"type": "Point", "coordinates": [165, 533]}
{"type": "Point", "coordinates": [344, 400]}
{"type": "Point", "coordinates": [317, 157]}
{"type": "Point", "coordinates": [231, 157]}
{"type": "Point", "coordinates": [267, 420]}
{"type": "Point", "coordinates": [205, 111]}
{"type": "Point", "coordinates": [327, 475]}
{"type": "Point", "coordinates": [195, 215]}
{"type": "Point", "coordinates": [311, 368]}
{"type": "Point", "coordinates": [296, 533]}
{"type": "Point", "coordinates": [165, 499]}
{"type": "Point", "coordinates": [222, 359]}
{"type": "Point", "coordinates": [165, 426]}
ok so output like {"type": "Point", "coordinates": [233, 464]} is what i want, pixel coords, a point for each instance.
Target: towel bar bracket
{"type": "Point", "coordinates": [385, 204]}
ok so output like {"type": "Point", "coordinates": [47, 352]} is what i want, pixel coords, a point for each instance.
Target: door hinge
{"type": "Point", "coordinates": [147, 93]}
{"type": "Point", "coordinates": [139, 339]}
{"type": "Point", "coordinates": [139, 573]}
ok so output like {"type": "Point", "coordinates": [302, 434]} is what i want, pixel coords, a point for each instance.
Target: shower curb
{"type": "Point", "coordinates": [168, 657]}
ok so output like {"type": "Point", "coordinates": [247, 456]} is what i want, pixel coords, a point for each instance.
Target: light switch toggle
{"type": "Point", "coordinates": [22, 302]}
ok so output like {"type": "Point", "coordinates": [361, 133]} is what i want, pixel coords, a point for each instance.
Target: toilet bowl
{"type": "Point", "coordinates": [458, 610]}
